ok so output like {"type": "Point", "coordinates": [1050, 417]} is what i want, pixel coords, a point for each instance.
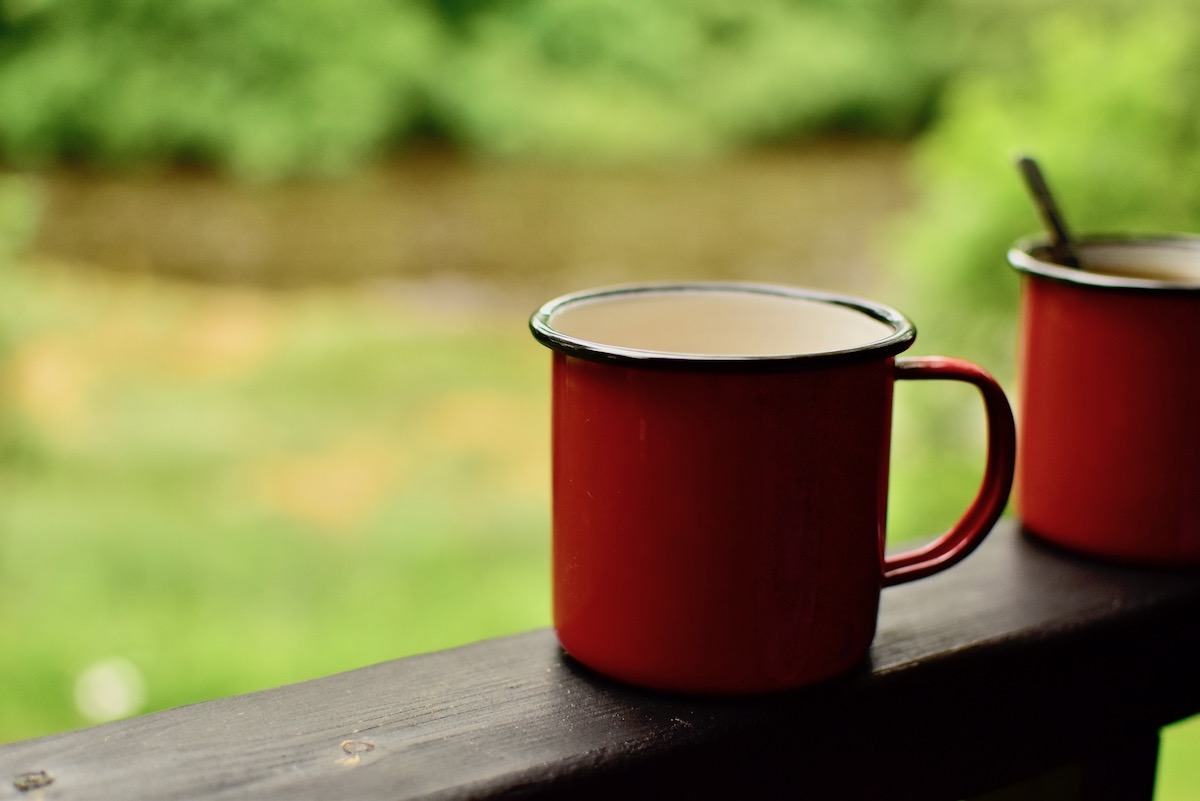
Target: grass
{"type": "Point", "coordinates": [229, 489]}
{"type": "Point", "coordinates": [213, 490]}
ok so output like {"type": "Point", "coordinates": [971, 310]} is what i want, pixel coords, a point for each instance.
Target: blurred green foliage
{"type": "Point", "coordinates": [316, 86]}
{"type": "Point", "coordinates": [1107, 98]}
{"type": "Point", "coordinates": [284, 87]}
{"type": "Point", "coordinates": [237, 488]}
{"type": "Point", "coordinates": [604, 78]}
{"type": "Point", "coordinates": [262, 88]}
{"type": "Point", "coordinates": [19, 212]}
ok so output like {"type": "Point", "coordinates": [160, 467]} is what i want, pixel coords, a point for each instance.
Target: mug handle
{"type": "Point", "coordinates": [965, 535]}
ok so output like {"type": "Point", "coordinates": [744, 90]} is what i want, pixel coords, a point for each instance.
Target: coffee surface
{"type": "Point", "coordinates": [1146, 262]}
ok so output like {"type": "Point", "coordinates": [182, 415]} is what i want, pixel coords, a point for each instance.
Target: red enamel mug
{"type": "Point", "coordinates": [1110, 398]}
{"type": "Point", "coordinates": [720, 476]}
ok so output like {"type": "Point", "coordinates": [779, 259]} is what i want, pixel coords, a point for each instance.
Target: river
{"type": "Point", "coordinates": [809, 215]}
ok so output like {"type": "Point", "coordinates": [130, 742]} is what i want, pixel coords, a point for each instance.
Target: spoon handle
{"type": "Point", "coordinates": [1061, 248]}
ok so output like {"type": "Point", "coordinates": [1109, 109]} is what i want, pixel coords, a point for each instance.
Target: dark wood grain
{"type": "Point", "coordinates": [1017, 661]}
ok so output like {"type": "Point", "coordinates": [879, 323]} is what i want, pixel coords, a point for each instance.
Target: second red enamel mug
{"type": "Point", "coordinates": [1110, 398]}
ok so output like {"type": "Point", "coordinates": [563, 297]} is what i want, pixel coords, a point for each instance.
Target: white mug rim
{"type": "Point", "coordinates": [903, 332]}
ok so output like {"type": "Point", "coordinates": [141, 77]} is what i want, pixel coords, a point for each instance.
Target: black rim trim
{"type": "Point", "coordinates": [1021, 257]}
{"type": "Point", "coordinates": [903, 331]}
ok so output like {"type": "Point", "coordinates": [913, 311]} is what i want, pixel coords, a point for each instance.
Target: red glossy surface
{"type": "Point", "coordinates": [1110, 420]}
{"type": "Point", "coordinates": [722, 532]}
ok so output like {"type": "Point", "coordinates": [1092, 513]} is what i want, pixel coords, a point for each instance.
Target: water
{"type": "Point", "coordinates": [802, 216]}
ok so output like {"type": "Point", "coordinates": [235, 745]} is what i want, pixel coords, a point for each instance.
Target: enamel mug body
{"type": "Point", "coordinates": [720, 479]}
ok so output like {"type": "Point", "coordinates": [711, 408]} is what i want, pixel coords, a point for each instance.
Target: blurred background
{"type": "Point", "coordinates": [268, 406]}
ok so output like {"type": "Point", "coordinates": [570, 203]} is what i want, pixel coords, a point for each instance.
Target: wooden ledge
{"type": "Point", "coordinates": [1016, 661]}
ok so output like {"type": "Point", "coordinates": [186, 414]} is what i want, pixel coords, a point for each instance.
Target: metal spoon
{"type": "Point", "coordinates": [1062, 250]}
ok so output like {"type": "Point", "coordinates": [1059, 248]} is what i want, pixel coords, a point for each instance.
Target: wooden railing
{"type": "Point", "coordinates": [1021, 673]}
